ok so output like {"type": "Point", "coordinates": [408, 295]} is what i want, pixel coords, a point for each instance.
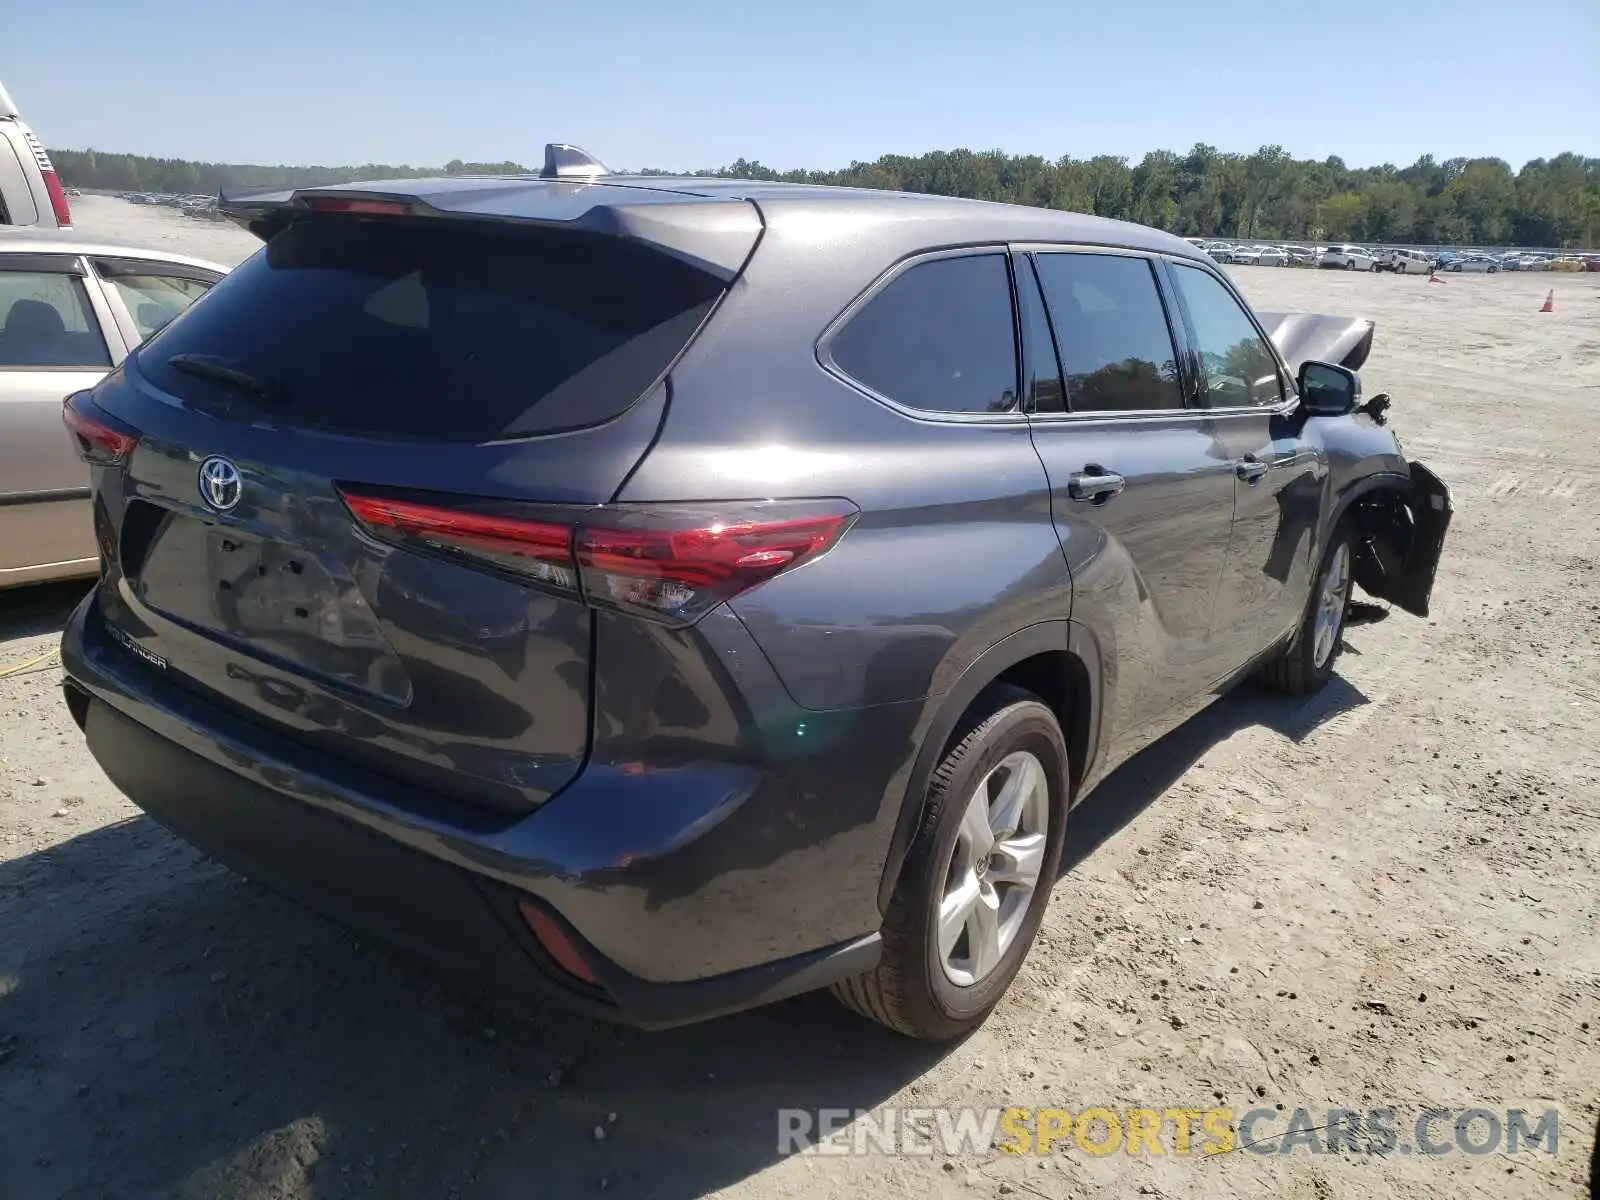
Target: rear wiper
{"type": "Point", "coordinates": [218, 370]}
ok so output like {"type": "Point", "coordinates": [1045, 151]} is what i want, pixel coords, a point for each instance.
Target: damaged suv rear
{"type": "Point", "coordinates": [676, 594]}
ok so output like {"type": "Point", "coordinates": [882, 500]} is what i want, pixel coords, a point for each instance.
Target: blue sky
{"type": "Point", "coordinates": [698, 83]}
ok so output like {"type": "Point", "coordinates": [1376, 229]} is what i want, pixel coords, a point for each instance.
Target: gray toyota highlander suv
{"type": "Point", "coordinates": [678, 594]}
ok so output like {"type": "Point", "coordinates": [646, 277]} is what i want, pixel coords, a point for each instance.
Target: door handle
{"type": "Point", "coordinates": [1250, 468]}
{"type": "Point", "coordinates": [1095, 484]}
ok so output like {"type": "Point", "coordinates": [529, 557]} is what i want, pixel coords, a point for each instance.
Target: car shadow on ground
{"type": "Point", "coordinates": [1135, 785]}
{"type": "Point", "coordinates": [44, 608]}
{"type": "Point", "coordinates": [168, 1029]}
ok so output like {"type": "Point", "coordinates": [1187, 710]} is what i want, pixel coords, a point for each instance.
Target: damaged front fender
{"type": "Point", "coordinates": [1399, 538]}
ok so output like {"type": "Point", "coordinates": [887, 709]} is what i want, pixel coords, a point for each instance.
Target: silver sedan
{"type": "Point", "coordinates": [71, 308]}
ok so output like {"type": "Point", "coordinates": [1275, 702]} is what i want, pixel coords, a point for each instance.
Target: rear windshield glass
{"type": "Point", "coordinates": [418, 329]}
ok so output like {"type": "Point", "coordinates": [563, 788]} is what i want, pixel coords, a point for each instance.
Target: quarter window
{"type": "Point", "coordinates": [1111, 330]}
{"type": "Point", "coordinates": [154, 300]}
{"type": "Point", "coordinates": [1240, 368]}
{"type": "Point", "coordinates": [46, 321]}
{"type": "Point", "coordinates": [939, 336]}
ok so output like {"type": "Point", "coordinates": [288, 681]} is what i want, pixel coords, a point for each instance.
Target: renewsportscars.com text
{"type": "Point", "coordinates": [1178, 1131]}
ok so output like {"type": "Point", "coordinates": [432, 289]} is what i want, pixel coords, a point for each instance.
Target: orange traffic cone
{"type": "Point", "coordinates": [1549, 304]}
{"type": "Point", "coordinates": [1433, 277]}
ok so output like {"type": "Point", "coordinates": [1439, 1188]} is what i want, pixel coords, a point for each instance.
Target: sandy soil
{"type": "Point", "coordinates": [1385, 895]}
{"type": "Point", "coordinates": [150, 225]}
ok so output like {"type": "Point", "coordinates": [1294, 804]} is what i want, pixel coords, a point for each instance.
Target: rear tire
{"type": "Point", "coordinates": [1308, 661]}
{"type": "Point", "coordinates": [920, 987]}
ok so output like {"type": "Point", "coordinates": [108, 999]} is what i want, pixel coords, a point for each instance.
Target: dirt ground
{"type": "Point", "coordinates": [1386, 895]}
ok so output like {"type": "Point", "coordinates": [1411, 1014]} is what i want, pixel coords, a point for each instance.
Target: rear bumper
{"type": "Point", "coordinates": [442, 884]}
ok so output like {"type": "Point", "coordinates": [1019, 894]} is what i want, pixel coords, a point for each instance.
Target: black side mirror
{"type": "Point", "coordinates": [1327, 390]}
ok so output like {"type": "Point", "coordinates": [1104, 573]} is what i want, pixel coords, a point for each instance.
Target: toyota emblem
{"type": "Point", "coordinates": [220, 484]}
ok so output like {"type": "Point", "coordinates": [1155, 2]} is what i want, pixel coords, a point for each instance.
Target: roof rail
{"type": "Point", "coordinates": [563, 161]}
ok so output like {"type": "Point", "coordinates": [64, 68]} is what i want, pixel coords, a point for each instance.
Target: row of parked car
{"type": "Point", "coordinates": [1516, 260]}
{"type": "Point", "coordinates": [190, 206]}
{"type": "Point", "coordinates": [1347, 257]}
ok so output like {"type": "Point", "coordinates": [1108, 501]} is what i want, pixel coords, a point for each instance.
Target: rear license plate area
{"type": "Point", "coordinates": [269, 598]}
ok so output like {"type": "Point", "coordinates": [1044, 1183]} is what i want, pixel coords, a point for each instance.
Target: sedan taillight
{"type": "Point", "coordinates": [99, 438]}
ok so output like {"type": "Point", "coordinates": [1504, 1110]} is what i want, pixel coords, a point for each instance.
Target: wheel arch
{"type": "Point", "coordinates": [1399, 524]}
{"type": "Point", "coordinates": [1058, 661]}
{"type": "Point", "coordinates": [1362, 489]}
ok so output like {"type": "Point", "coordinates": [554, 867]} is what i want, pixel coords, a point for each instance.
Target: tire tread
{"type": "Point", "coordinates": [1291, 670]}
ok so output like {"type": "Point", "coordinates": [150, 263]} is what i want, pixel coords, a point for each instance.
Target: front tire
{"type": "Point", "coordinates": [1308, 661]}
{"type": "Point", "coordinates": [977, 879]}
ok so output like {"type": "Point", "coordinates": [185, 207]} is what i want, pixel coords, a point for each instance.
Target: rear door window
{"type": "Point", "coordinates": [1041, 382]}
{"type": "Point", "coordinates": [939, 336]}
{"type": "Point", "coordinates": [422, 329]}
{"type": "Point", "coordinates": [1111, 329]}
{"type": "Point", "coordinates": [1240, 369]}
{"type": "Point", "coordinates": [46, 321]}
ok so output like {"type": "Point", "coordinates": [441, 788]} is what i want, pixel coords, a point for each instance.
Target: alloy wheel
{"type": "Point", "coordinates": [1332, 593]}
{"type": "Point", "coordinates": [994, 868]}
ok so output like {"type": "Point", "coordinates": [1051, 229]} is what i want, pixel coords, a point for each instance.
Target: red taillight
{"type": "Point", "coordinates": [58, 198]}
{"type": "Point", "coordinates": [359, 207]}
{"type": "Point", "coordinates": [538, 549]}
{"type": "Point", "coordinates": [673, 562]}
{"type": "Point", "coordinates": [98, 437]}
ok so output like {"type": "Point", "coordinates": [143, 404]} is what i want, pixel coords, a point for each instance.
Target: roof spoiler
{"type": "Point", "coordinates": [715, 235]}
{"type": "Point", "coordinates": [562, 160]}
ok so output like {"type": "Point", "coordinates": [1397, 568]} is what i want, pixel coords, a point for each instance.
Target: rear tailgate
{"type": "Point", "coordinates": [408, 357]}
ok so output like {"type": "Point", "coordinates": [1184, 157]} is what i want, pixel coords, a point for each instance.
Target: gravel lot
{"type": "Point", "coordinates": [1385, 895]}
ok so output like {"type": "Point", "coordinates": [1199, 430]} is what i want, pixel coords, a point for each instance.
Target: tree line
{"type": "Point", "coordinates": [1551, 202]}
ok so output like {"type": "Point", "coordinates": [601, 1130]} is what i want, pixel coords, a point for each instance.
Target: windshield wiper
{"type": "Point", "coordinates": [218, 370]}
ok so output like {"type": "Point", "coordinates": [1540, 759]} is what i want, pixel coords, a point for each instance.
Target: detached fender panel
{"type": "Point", "coordinates": [1402, 540]}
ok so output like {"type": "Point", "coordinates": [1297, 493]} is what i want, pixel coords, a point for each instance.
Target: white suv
{"type": "Point", "coordinates": [1409, 262]}
{"type": "Point", "coordinates": [30, 190]}
{"type": "Point", "coordinates": [1347, 258]}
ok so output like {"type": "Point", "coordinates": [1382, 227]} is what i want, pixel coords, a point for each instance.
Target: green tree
{"type": "Point", "coordinates": [1204, 192]}
{"type": "Point", "coordinates": [1342, 216]}
{"type": "Point", "coordinates": [1391, 210]}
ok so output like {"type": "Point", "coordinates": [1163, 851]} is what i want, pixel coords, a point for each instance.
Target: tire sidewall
{"type": "Point", "coordinates": [1026, 725]}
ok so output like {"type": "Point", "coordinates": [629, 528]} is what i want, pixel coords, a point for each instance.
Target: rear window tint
{"type": "Point", "coordinates": [420, 330]}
